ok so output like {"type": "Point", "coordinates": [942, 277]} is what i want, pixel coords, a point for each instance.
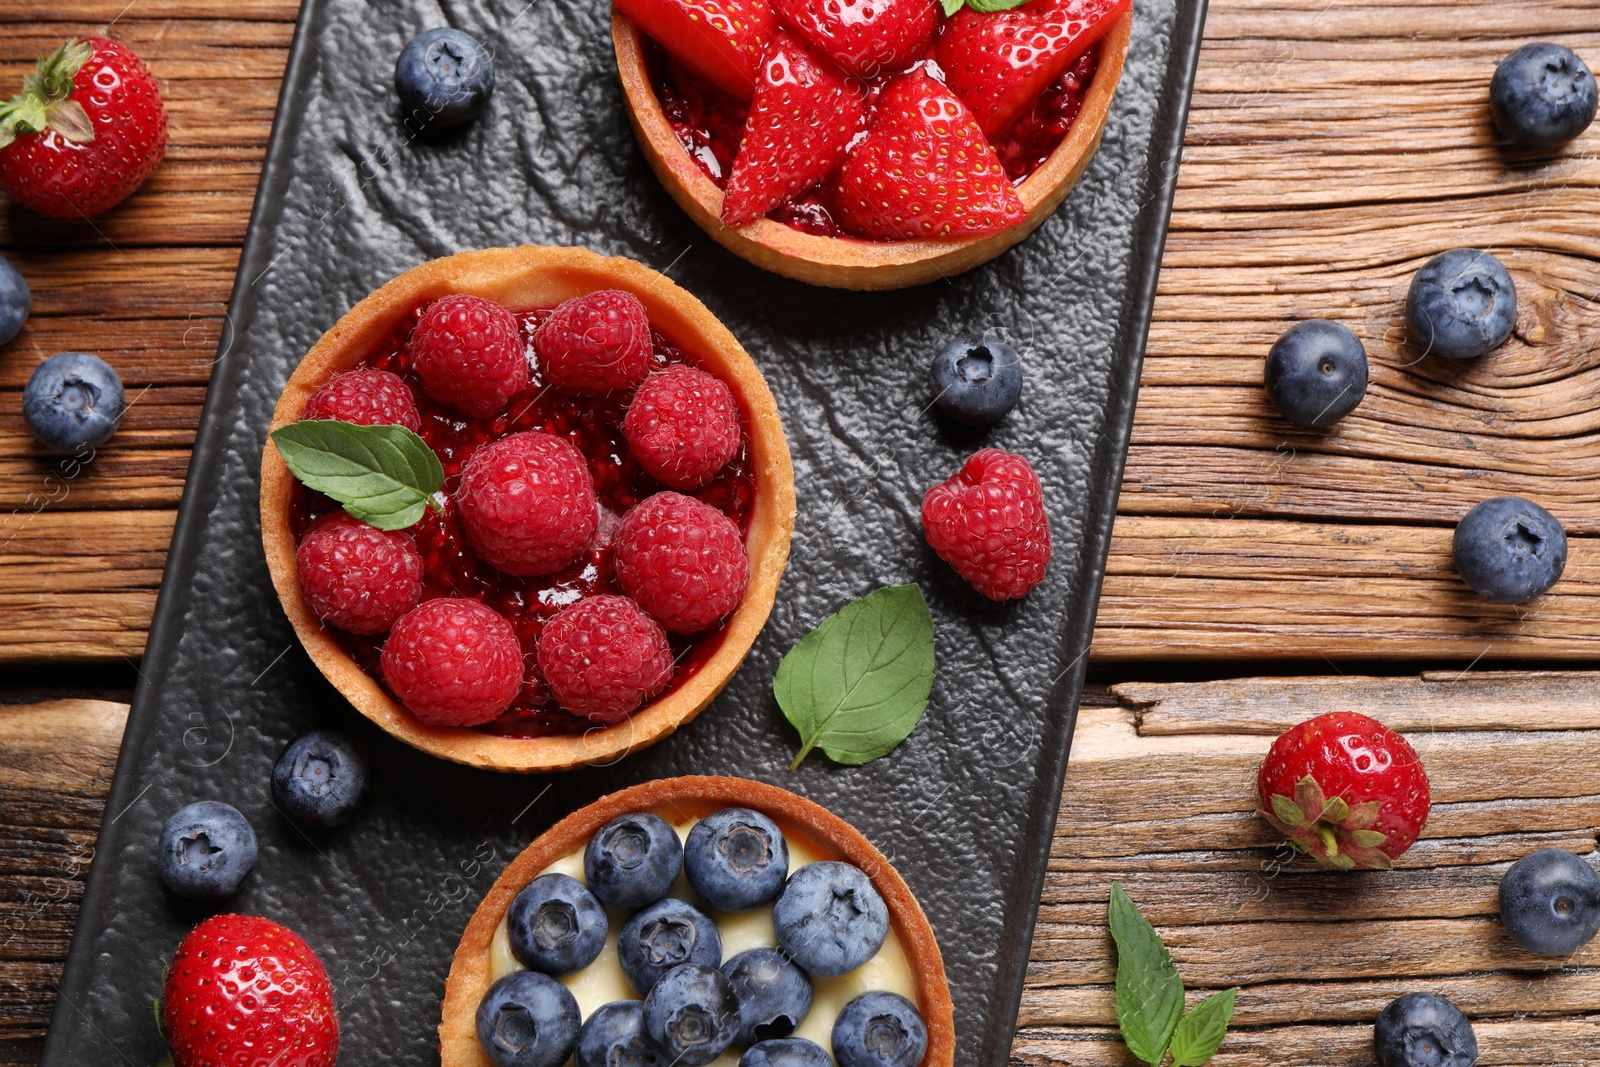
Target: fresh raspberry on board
{"type": "Point", "coordinates": [356, 576]}
{"type": "Point", "coordinates": [683, 426]}
{"type": "Point", "coordinates": [868, 38]}
{"type": "Point", "coordinates": [242, 991]}
{"type": "Point", "coordinates": [1344, 789]}
{"type": "Point", "coordinates": [453, 662]}
{"type": "Point", "coordinates": [988, 522]}
{"type": "Point", "coordinates": [597, 343]}
{"type": "Point", "coordinates": [924, 169]}
{"type": "Point", "coordinates": [365, 398]}
{"type": "Point", "coordinates": [682, 560]}
{"type": "Point", "coordinates": [470, 354]}
{"type": "Point", "coordinates": [802, 119]}
{"type": "Point", "coordinates": [528, 504]}
{"type": "Point", "coordinates": [87, 129]}
{"type": "Point", "coordinates": [603, 657]}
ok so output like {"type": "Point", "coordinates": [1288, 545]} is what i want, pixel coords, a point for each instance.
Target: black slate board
{"type": "Point", "coordinates": [965, 807]}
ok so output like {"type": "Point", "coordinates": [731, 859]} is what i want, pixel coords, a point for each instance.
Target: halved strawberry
{"type": "Point", "coordinates": [924, 170]}
{"type": "Point", "coordinates": [721, 39]}
{"type": "Point", "coordinates": [802, 119]}
{"type": "Point", "coordinates": [868, 38]}
{"type": "Point", "coordinates": [1000, 63]}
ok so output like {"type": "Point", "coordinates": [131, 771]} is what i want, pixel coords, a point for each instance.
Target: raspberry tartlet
{"type": "Point", "coordinates": [903, 146]}
{"type": "Point", "coordinates": [557, 603]}
{"type": "Point", "coordinates": [904, 963]}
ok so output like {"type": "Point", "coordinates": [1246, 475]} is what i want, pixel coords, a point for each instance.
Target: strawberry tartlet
{"type": "Point", "coordinates": [869, 144]}
{"type": "Point", "coordinates": [610, 513]}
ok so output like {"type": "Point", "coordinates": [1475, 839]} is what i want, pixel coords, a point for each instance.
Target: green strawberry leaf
{"type": "Point", "coordinates": [70, 120]}
{"type": "Point", "coordinates": [1201, 1030]}
{"type": "Point", "coordinates": [383, 475]}
{"type": "Point", "coordinates": [1149, 991]}
{"type": "Point", "coordinates": [857, 685]}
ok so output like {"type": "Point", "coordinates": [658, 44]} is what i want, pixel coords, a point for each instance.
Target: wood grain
{"type": "Point", "coordinates": [1331, 148]}
{"type": "Point", "coordinates": [1159, 798]}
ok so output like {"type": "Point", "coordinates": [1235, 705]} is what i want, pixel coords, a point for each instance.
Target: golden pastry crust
{"type": "Point", "coordinates": [846, 263]}
{"type": "Point", "coordinates": [677, 798]}
{"type": "Point", "coordinates": [531, 277]}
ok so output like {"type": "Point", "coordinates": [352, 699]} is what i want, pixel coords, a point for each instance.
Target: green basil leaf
{"type": "Point", "coordinates": [1149, 991]}
{"type": "Point", "coordinates": [857, 685]}
{"type": "Point", "coordinates": [384, 475]}
{"type": "Point", "coordinates": [1201, 1030]}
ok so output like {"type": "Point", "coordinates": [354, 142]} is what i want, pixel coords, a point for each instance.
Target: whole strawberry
{"type": "Point", "coordinates": [987, 520]}
{"type": "Point", "coordinates": [1344, 789]}
{"type": "Point", "coordinates": [243, 991]}
{"type": "Point", "coordinates": [84, 133]}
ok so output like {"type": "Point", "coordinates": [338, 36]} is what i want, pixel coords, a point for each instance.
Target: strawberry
{"type": "Point", "coordinates": [84, 133]}
{"type": "Point", "coordinates": [802, 119]}
{"type": "Point", "coordinates": [868, 38]}
{"type": "Point", "coordinates": [924, 170]}
{"type": "Point", "coordinates": [1000, 63]}
{"type": "Point", "coordinates": [723, 40]}
{"type": "Point", "coordinates": [1345, 789]}
{"type": "Point", "coordinates": [243, 991]}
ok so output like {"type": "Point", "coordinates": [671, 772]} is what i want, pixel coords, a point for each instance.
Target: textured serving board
{"type": "Point", "coordinates": [347, 200]}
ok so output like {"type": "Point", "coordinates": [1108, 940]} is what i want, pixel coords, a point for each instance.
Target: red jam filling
{"type": "Point", "coordinates": [709, 123]}
{"type": "Point", "coordinates": [450, 568]}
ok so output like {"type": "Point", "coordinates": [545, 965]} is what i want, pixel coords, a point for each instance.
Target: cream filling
{"type": "Point", "coordinates": [602, 981]}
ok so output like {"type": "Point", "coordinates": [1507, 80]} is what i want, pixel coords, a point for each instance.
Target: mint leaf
{"type": "Point", "coordinates": [1201, 1030]}
{"type": "Point", "coordinates": [857, 685]}
{"type": "Point", "coordinates": [1149, 992]}
{"type": "Point", "coordinates": [384, 475]}
{"type": "Point", "coordinates": [988, 7]}
{"type": "Point", "coordinates": [952, 6]}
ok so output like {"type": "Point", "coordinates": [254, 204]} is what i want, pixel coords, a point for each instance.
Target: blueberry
{"type": "Point", "coordinates": [207, 849]}
{"type": "Point", "coordinates": [1316, 373]}
{"type": "Point", "coordinates": [1509, 550]}
{"type": "Point", "coordinates": [614, 1037]}
{"type": "Point", "coordinates": [15, 301]}
{"type": "Point", "coordinates": [1542, 94]}
{"type": "Point", "coordinates": [692, 1014]}
{"type": "Point", "coordinates": [786, 1052]}
{"type": "Point", "coordinates": [633, 860]}
{"type": "Point", "coordinates": [665, 935]}
{"type": "Point", "coordinates": [1550, 902]}
{"type": "Point", "coordinates": [528, 1019]}
{"type": "Point", "coordinates": [443, 78]}
{"type": "Point", "coordinates": [556, 925]}
{"type": "Point", "coordinates": [829, 919]}
{"type": "Point", "coordinates": [978, 379]}
{"type": "Point", "coordinates": [321, 779]}
{"type": "Point", "coordinates": [72, 402]}
{"type": "Point", "coordinates": [1422, 1030]}
{"type": "Point", "coordinates": [879, 1030]}
{"type": "Point", "coordinates": [1462, 304]}
{"type": "Point", "coordinates": [774, 995]}
{"type": "Point", "coordinates": [736, 858]}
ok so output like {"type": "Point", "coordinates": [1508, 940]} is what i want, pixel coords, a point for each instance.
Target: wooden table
{"type": "Point", "coordinates": [1257, 576]}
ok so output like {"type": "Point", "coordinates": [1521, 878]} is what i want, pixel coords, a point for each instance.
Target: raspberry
{"type": "Point", "coordinates": [358, 577]}
{"type": "Point", "coordinates": [595, 343]}
{"type": "Point", "coordinates": [682, 560]}
{"type": "Point", "coordinates": [366, 398]}
{"type": "Point", "coordinates": [682, 426]}
{"type": "Point", "coordinates": [469, 353]}
{"type": "Point", "coordinates": [453, 662]}
{"type": "Point", "coordinates": [603, 657]}
{"type": "Point", "coordinates": [528, 504]}
{"type": "Point", "coordinates": [988, 522]}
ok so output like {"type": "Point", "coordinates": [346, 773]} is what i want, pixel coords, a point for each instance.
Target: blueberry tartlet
{"type": "Point", "coordinates": [602, 503]}
{"type": "Point", "coordinates": [695, 921]}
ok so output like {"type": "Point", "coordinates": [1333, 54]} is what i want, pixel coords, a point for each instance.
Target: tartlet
{"type": "Point", "coordinates": [530, 276]}
{"type": "Point", "coordinates": [681, 798]}
{"type": "Point", "coordinates": [857, 263]}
